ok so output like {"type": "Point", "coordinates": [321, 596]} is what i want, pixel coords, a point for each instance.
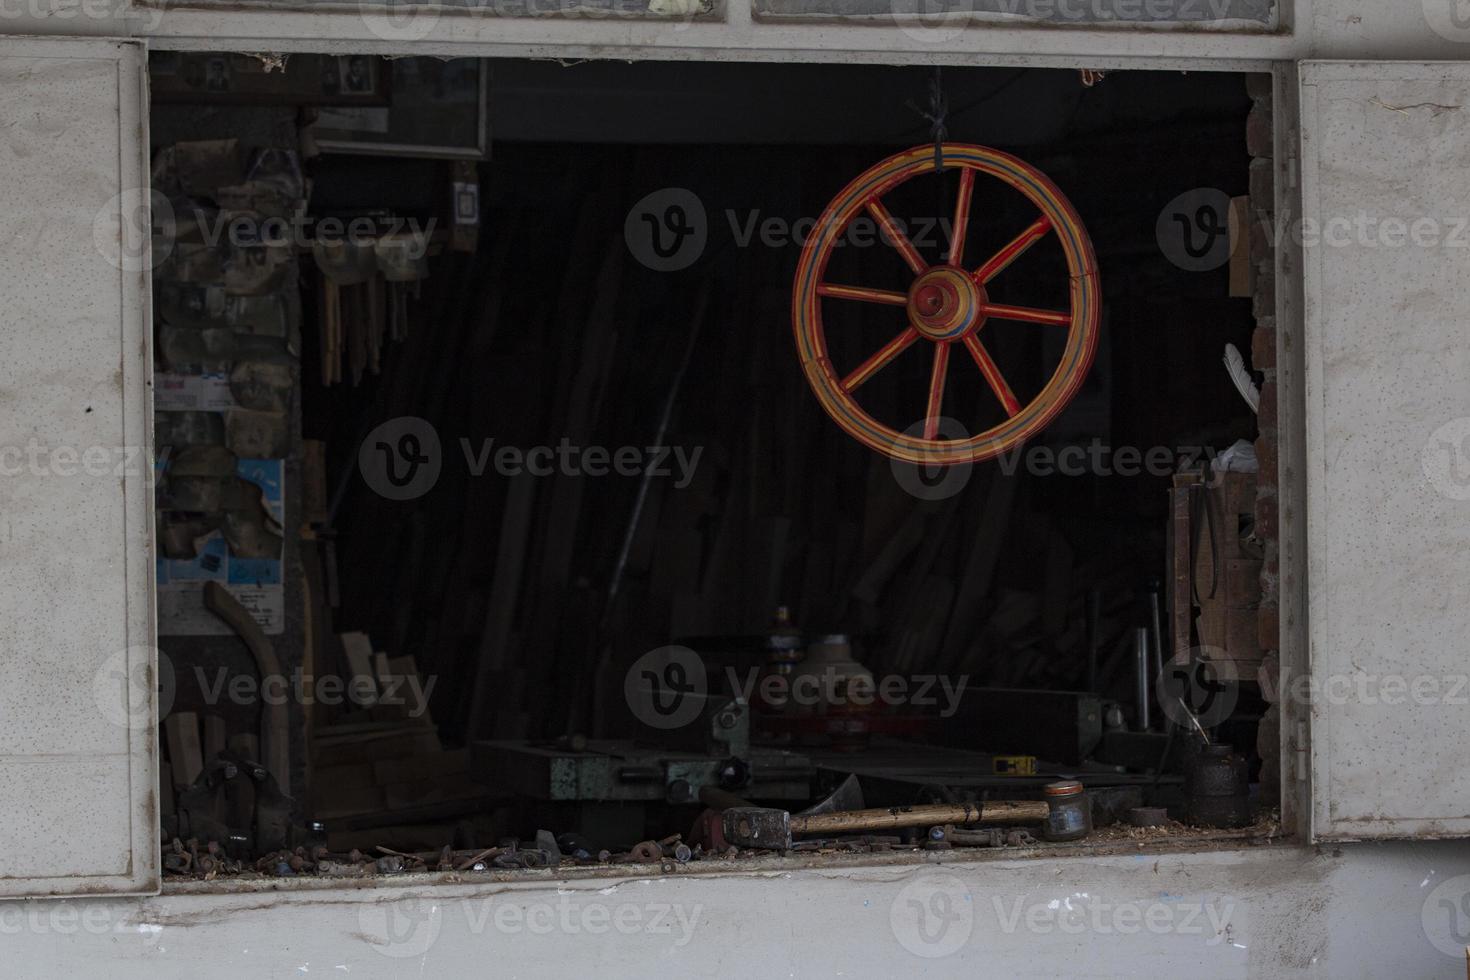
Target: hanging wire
{"type": "Point", "coordinates": [937, 114]}
{"type": "Point", "coordinates": [908, 132]}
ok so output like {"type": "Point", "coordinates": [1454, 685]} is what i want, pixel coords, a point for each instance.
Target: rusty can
{"type": "Point", "coordinates": [1069, 814]}
{"type": "Point", "coordinates": [1217, 788]}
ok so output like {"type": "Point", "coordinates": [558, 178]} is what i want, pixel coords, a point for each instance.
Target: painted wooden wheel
{"type": "Point", "coordinates": [945, 304]}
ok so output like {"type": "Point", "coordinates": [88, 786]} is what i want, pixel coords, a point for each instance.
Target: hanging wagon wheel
{"type": "Point", "coordinates": [947, 303]}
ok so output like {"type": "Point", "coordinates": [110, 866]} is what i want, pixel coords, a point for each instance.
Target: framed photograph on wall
{"type": "Point", "coordinates": [437, 109]}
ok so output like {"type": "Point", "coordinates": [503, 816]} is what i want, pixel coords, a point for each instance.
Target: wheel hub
{"type": "Point", "coordinates": [945, 303]}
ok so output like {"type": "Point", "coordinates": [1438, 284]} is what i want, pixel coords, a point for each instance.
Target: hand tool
{"type": "Point", "coordinates": [774, 829]}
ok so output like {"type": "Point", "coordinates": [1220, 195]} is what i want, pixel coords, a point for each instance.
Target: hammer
{"type": "Point", "coordinates": [754, 826]}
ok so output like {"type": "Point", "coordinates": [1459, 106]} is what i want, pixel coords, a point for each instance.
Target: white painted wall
{"type": "Point", "coordinates": [1367, 911]}
{"type": "Point", "coordinates": [1388, 416]}
{"type": "Point", "coordinates": [76, 487]}
{"type": "Point", "coordinates": [1382, 29]}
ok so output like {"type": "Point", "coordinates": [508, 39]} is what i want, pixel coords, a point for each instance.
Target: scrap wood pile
{"type": "Point", "coordinates": [378, 760]}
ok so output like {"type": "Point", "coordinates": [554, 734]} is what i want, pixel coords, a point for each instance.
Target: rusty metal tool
{"type": "Point", "coordinates": [774, 829]}
{"type": "Point", "coordinates": [709, 826]}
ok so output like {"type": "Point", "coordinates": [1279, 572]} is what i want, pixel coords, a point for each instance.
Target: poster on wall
{"type": "Point", "coordinates": [258, 583]}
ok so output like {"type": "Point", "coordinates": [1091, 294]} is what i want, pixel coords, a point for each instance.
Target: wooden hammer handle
{"type": "Point", "coordinates": [849, 821]}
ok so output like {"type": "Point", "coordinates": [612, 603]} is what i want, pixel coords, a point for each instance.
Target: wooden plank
{"type": "Point", "coordinates": [445, 763]}
{"type": "Point", "coordinates": [185, 753]}
{"type": "Point", "coordinates": [316, 627]}
{"type": "Point", "coordinates": [314, 497]}
{"type": "Point", "coordinates": [980, 564]}
{"type": "Point", "coordinates": [404, 744]}
{"type": "Point", "coordinates": [767, 545]}
{"type": "Point", "coordinates": [422, 792]}
{"type": "Point", "coordinates": [416, 814]}
{"type": "Point", "coordinates": [1057, 591]}
{"type": "Point", "coordinates": [357, 729]}
{"type": "Point", "coordinates": [410, 688]}
{"type": "Point", "coordinates": [938, 600]}
{"type": "Point", "coordinates": [874, 579]}
{"type": "Point", "coordinates": [1242, 270]}
{"type": "Point", "coordinates": [597, 343]}
{"type": "Point", "coordinates": [382, 674]}
{"type": "Point", "coordinates": [645, 538]}
{"type": "Point", "coordinates": [674, 580]}
{"type": "Point", "coordinates": [341, 801]}
{"type": "Point", "coordinates": [331, 778]}
{"type": "Point", "coordinates": [816, 582]}
{"type": "Point", "coordinates": [335, 790]}
{"type": "Point", "coordinates": [358, 649]}
{"type": "Point", "coordinates": [1181, 601]}
{"type": "Point", "coordinates": [505, 593]}
{"type": "Point", "coordinates": [885, 507]}
{"type": "Point", "coordinates": [354, 320]}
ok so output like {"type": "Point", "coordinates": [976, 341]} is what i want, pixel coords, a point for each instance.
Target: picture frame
{"type": "Point", "coordinates": [437, 109]}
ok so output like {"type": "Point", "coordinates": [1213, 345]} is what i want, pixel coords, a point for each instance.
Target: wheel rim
{"type": "Point", "coordinates": [947, 304]}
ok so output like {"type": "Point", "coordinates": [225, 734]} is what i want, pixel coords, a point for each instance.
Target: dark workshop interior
{"type": "Point", "coordinates": [486, 447]}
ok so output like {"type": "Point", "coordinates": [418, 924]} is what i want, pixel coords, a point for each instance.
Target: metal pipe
{"type": "Point", "coordinates": [583, 691]}
{"type": "Point", "coordinates": [1156, 668]}
{"type": "Point", "coordinates": [1141, 662]}
{"type": "Point", "coordinates": [630, 531]}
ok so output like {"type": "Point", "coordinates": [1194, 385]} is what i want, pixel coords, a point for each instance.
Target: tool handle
{"type": "Point", "coordinates": [994, 811]}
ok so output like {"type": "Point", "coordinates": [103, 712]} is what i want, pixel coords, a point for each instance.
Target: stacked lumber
{"type": "Point", "coordinates": [381, 762]}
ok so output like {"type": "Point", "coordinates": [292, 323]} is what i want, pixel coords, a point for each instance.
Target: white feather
{"type": "Point", "coordinates": [1235, 364]}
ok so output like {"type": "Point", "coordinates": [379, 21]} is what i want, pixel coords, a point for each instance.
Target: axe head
{"type": "Point", "coordinates": [757, 826]}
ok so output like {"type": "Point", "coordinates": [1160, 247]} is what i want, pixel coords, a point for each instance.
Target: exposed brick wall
{"type": "Point", "coordinates": [1259, 143]}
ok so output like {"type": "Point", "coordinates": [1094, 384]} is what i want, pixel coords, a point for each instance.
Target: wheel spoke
{"type": "Point", "coordinates": [936, 389]}
{"type": "Point", "coordinates": [885, 354]}
{"type": "Point", "coordinates": [992, 374]}
{"type": "Point", "coordinates": [961, 222]}
{"type": "Point", "coordinates": [896, 237]}
{"type": "Point", "coordinates": [1012, 251]}
{"type": "Point", "coordinates": [862, 293]}
{"type": "Point", "coordinates": [1000, 312]}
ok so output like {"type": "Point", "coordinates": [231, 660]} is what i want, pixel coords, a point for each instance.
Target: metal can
{"type": "Point", "coordinates": [1069, 814]}
{"type": "Point", "coordinates": [1217, 788]}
